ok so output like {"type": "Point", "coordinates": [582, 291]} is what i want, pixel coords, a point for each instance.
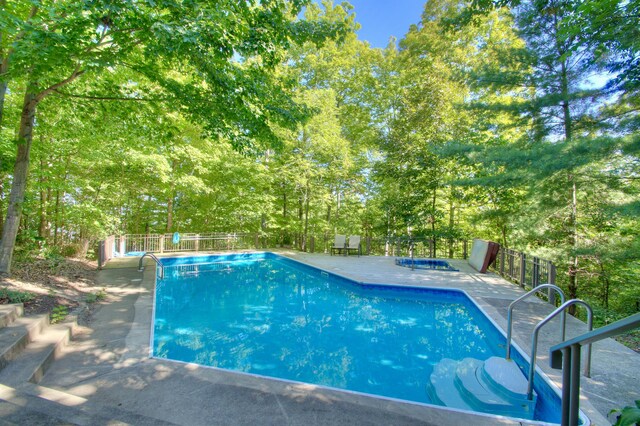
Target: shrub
{"type": "Point", "coordinates": [59, 313]}
{"type": "Point", "coordinates": [70, 250]}
{"type": "Point", "coordinates": [96, 297]}
{"type": "Point", "coordinates": [14, 296]}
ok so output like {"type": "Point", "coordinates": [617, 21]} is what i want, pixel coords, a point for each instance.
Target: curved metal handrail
{"type": "Point", "coordinates": [534, 340]}
{"type": "Point", "coordinates": [524, 296]}
{"type": "Point", "coordinates": [152, 256]}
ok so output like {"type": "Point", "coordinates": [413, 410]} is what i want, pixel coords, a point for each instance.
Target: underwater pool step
{"type": "Point", "coordinates": [441, 388]}
{"type": "Point", "coordinates": [490, 386]}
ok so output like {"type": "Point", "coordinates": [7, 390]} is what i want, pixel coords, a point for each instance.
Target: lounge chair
{"type": "Point", "coordinates": [354, 244]}
{"type": "Point", "coordinates": [339, 244]}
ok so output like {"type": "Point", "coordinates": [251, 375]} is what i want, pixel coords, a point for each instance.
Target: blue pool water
{"type": "Point", "coordinates": [268, 315]}
{"type": "Point", "coordinates": [437, 264]}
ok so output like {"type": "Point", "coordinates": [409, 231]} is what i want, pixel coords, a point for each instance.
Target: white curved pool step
{"type": "Point", "coordinates": [490, 386]}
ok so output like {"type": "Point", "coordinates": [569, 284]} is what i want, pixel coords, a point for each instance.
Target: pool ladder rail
{"type": "Point", "coordinates": [561, 310]}
{"type": "Point", "coordinates": [154, 258]}
{"type": "Point", "coordinates": [497, 385]}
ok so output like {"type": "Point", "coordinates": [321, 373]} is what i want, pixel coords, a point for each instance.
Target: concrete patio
{"type": "Point", "coordinates": [105, 376]}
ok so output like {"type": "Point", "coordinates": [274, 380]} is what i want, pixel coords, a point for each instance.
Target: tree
{"type": "Point", "coordinates": [188, 52]}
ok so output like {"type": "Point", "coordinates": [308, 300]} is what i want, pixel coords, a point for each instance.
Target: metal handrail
{"type": "Point", "coordinates": [566, 355]}
{"type": "Point", "coordinates": [534, 340]}
{"type": "Point", "coordinates": [152, 256]}
{"type": "Point", "coordinates": [521, 298]}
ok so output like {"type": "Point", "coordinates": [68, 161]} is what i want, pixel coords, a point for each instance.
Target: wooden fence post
{"type": "Point", "coordinates": [123, 245]}
{"type": "Point", "coordinates": [161, 243]}
{"type": "Point", "coordinates": [197, 242]}
{"type": "Point", "coordinates": [101, 254]}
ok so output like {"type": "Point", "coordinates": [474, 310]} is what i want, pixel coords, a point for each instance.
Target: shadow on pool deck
{"type": "Point", "coordinates": [106, 371]}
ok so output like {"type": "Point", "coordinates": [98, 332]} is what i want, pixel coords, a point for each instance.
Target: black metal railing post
{"type": "Point", "coordinates": [566, 355]}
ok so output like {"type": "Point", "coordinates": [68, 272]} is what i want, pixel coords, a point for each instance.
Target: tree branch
{"type": "Point", "coordinates": [77, 72]}
{"type": "Point", "coordinates": [105, 98]}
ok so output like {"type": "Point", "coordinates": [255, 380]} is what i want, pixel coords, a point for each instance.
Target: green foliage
{"type": "Point", "coordinates": [14, 296]}
{"type": "Point", "coordinates": [629, 416]}
{"type": "Point", "coordinates": [58, 314]}
{"type": "Point", "coordinates": [96, 297]}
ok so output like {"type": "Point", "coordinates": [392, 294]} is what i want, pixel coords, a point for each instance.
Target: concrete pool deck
{"type": "Point", "coordinates": [106, 376]}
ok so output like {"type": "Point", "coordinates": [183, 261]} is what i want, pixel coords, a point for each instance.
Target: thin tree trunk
{"type": "Point", "coordinates": [433, 223]}
{"type": "Point", "coordinates": [56, 218]}
{"type": "Point", "coordinates": [452, 209]}
{"type": "Point", "coordinates": [42, 227]}
{"type": "Point", "coordinates": [573, 210]}
{"type": "Point", "coordinates": [4, 65]}
{"type": "Point", "coordinates": [20, 173]}
{"type": "Point", "coordinates": [1, 204]}
{"type": "Point", "coordinates": [306, 218]}
{"type": "Point", "coordinates": [170, 213]}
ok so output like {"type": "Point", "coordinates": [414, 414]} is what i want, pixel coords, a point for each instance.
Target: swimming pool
{"type": "Point", "coordinates": [271, 316]}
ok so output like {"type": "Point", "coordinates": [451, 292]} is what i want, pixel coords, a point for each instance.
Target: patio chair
{"type": "Point", "coordinates": [354, 244]}
{"type": "Point", "coordinates": [339, 244]}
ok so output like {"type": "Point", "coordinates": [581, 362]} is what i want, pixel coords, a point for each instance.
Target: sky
{"type": "Point", "coordinates": [381, 19]}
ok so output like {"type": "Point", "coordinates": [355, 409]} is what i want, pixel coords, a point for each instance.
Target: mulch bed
{"type": "Point", "coordinates": [52, 282]}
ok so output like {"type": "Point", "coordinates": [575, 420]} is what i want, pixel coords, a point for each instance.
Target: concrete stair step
{"type": "Point", "coordinates": [9, 313]}
{"type": "Point", "coordinates": [18, 334]}
{"type": "Point", "coordinates": [34, 404]}
{"type": "Point", "coordinates": [36, 357]}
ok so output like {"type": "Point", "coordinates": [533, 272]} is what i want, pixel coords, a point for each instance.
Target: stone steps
{"type": "Point", "coordinates": [28, 347]}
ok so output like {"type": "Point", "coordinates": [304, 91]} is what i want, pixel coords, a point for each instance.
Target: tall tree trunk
{"type": "Point", "coordinates": [172, 196]}
{"type": "Point", "coordinates": [4, 65]}
{"type": "Point", "coordinates": [1, 204]}
{"type": "Point", "coordinates": [433, 223]}
{"type": "Point", "coordinates": [305, 237]}
{"type": "Point", "coordinates": [56, 218]}
{"type": "Point", "coordinates": [20, 172]}
{"type": "Point", "coordinates": [170, 213]}
{"type": "Point", "coordinates": [573, 205]}
{"type": "Point", "coordinates": [452, 210]}
{"type": "Point", "coordinates": [42, 227]}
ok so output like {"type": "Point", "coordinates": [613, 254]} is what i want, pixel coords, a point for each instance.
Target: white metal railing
{"type": "Point", "coordinates": [155, 259]}
{"type": "Point", "coordinates": [166, 243]}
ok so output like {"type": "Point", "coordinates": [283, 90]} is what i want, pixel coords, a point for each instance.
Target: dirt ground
{"type": "Point", "coordinates": [54, 282]}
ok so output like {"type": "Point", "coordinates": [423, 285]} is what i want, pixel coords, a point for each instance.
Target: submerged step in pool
{"type": "Point", "coordinates": [268, 315]}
